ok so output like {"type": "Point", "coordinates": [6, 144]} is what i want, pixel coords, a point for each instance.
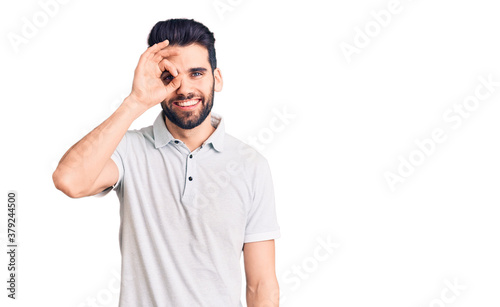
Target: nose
{"type": "Point", "coordinates": [186, 86]}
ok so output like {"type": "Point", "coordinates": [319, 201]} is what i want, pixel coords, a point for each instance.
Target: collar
{"type": "Point", "coordinates": [162, 136]}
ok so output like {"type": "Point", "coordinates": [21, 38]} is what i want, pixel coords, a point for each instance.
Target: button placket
{"type": "Point", "coordinates": [190, 179]}
{"type": "Point", "coordinates": [190, 175]}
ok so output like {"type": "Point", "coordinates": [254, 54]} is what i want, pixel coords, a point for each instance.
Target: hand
{"type": "Point", "coordinates": [148, 89]}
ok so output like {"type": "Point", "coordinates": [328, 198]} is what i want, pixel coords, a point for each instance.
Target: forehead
{"type": "Point", "coordinates": [190, 56]}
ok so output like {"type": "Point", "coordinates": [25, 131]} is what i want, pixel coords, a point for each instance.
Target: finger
{"type": "Point", "coordinates": [173, 85]}
{"type": "Point", "coordinates": [168, 66]}
{"type": "Point", "coordinates": [158, 46]}
{"type": "Point", "coordinates": [165, 53]}
{"type": "Point", "coordinates": [151, 51]}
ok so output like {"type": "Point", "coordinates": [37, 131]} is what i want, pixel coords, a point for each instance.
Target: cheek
{"type": "Point", "coordinates": [201, 88]}
{"type": "Point", "coordinates": [207, 86]}
{"type": "Point", "coordinates": [167, 99]}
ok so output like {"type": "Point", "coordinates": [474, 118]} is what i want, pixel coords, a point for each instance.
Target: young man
{"type": "Point", "coordinates": [192, 197]}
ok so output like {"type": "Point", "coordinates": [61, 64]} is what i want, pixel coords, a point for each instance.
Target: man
{"type": "Point", "coordinates": [192, 197]}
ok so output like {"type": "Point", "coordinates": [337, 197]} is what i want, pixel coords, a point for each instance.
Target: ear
{"type": "Point", "coordinates": [218, 80]}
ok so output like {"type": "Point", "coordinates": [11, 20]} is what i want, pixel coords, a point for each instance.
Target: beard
{"type": "Point", "coordinates": [192, 118]}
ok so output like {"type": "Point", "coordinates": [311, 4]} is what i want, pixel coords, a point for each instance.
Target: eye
{"type": "Point", "coordinates": [167, 77]}
{"type": "Point", "coordinates": [197, 74]}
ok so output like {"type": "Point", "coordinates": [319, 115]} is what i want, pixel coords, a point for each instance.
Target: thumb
{"type": "Point", "coordinates": [173, 85]}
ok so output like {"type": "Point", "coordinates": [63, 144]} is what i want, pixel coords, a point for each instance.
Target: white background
{"type": "Point", "coordinates": [351, 121]}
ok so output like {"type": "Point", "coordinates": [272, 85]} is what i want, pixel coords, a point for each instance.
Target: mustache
{"type": "Point", "coordinates": [184, 97]}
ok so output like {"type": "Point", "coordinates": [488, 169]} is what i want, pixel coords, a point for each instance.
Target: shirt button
{"type": "Point", "coordinates": [190, 156]}
{"type": "Point", "coordinates": [176, 142]}
{"type": "Point", "coordinates": [190, 178]}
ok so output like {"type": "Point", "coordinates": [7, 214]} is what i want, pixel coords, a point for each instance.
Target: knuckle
{"type": "Point", "coordinates": [173, 84]}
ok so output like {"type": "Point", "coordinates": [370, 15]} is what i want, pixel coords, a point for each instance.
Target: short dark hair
{"type": "Point", "coordinates": [183, 32]}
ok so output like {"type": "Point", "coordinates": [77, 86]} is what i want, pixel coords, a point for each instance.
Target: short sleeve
{"type": "Point", "coordinates": [262, 223]}
{"type": "Point", "coordinates": [117, 157]}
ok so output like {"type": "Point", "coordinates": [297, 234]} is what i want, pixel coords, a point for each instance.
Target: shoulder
{"type": "Point", "coordinates": [135, 141]}
{"type": "Point", "coordinates": [140, 135]}
{"type": "Point", "coordinates": [244, 154]}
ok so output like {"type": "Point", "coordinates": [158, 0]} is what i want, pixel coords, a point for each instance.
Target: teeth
{"type": "Point", "coordinates": [188, 103]}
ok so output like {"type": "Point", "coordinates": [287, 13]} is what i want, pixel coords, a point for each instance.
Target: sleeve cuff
{"type": "Point", "coordinates": [104, 193]}
{"type": "Point", "coordinates": [120, 174]}
{"type": "Point", "coordinates": [263, 236]}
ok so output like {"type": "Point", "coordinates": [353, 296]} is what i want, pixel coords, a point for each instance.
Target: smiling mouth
{"type": "Point", "coordinates": [187, 103]}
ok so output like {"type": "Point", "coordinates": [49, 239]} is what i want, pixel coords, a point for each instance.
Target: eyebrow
{"type": "Point", "coordinates": [197, 69]}
{"type": "Point", "coordinates": [191, 70]}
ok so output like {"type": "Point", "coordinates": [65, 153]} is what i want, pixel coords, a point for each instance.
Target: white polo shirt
{"type": "Point", "coordinates": [186, 215]}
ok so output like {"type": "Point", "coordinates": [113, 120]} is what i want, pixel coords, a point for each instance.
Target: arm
{"type": "Point", "coordinates": [86, 168]}
{"type": "Point", "coordinates": [262, 284]}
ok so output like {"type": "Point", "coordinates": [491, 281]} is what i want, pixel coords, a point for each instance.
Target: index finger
{"type": "Point", "coordinates": [158, 46]}
{"type": "Point", "coordinates": [163, 54]}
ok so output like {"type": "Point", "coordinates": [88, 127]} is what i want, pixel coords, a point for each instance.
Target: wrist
{"type": "Point", "coordinates": [133, 106]}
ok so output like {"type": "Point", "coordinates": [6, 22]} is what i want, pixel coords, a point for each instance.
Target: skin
{"type": "Point", "coordinates": [194, 79]}
{"type": "Point", "coordinates": [164, 75]}
{"type": "Point", "coordinates": [262, 288]}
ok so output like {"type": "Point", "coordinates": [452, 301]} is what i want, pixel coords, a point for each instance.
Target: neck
{"type": "Point", "coordinates": [193, 138]}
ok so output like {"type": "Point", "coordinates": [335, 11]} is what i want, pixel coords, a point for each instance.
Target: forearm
{"type": "Point", "coordinates": [263, 295]}
{"type": "Point", "coordinates": [82, 163]}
